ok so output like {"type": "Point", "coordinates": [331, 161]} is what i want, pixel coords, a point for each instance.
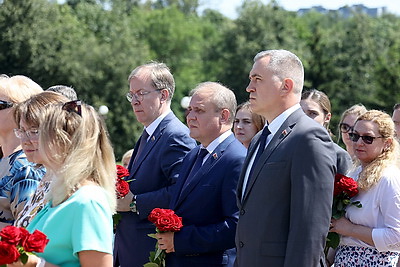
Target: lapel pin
{"type": "Point", "coordinates": [153, 138]}
{"type": "Point", "coordinates": [215, 156]}
{"type": "Point", "coordinates": [284, 132]}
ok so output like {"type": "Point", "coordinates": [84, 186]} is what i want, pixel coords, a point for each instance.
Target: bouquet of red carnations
{"type": "Point", "coordinates": [165, 220]}
{"type": "Point", "coordinates": [16, 243]}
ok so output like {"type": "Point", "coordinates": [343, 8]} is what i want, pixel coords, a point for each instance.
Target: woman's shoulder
{"type": "Point", "coordinates": [89, 194]}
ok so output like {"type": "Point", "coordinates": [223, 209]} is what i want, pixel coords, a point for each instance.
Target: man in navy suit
{"type": "Point", "coordinates": [285, 188]}
{"type": "Point", "coordinates": [155, 162]}
{"type": "Point", "coordinates": [206, 198]}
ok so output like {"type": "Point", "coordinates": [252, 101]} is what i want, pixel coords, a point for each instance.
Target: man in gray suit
{"type": "Point", "coordinates": [285, 188]}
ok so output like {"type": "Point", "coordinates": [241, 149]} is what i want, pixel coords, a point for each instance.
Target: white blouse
{"type": "Point", "coordinates": [380, 210]}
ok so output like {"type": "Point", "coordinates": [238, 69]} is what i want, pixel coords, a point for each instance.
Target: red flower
{"type": "Point", "coordinates": [37, 241]}
{"type": "Point", "coordinates": [165, 220]}
{"type": "Point", "coordinates": [11, 235]}
{"type": "Point", "coordinates": [122, 188]}
{"type": "Point", "coordinates": [8, 253]}
{"type": "Point", "coordinates": [346, 185]}
{"type": "Point", "coordinates": [122, 172]}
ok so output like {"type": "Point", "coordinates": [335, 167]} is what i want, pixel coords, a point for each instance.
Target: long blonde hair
{"type": "Point", "coordinates": [372, 173]}
{"type": "Point", "coordinates": [76, 149]}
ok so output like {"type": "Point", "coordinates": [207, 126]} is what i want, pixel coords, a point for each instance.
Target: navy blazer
{"type": "Point", "coordinates": [208, 208]}
{"type": "Point", "coordinates": [152, 174]}
{"type": "Point", "coordinates": [286, 208]}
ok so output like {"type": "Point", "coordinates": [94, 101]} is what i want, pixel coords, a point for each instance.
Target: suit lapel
{"type": "Point", "coordinates": [279, 137]}
{"type": "Point", "coordinates": [213, 158]}
{"type": "Point", "coordinates": [154, 138]}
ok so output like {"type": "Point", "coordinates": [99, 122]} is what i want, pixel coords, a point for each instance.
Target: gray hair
{"type": "Point", "coordinates": [160, 76]}
{"type": "Point", "coordinates": [285, 64]}
{"type": "Point", "coordinates": [222, 97]}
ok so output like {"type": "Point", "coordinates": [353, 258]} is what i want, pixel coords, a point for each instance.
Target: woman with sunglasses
{"type": "Point", "coordinates": [76, 150]}
{"type": "Point", "coordinates": [18, 177]}
{"type": "Point", "coordinates": [370, 235]}
{"type": "Point", "coordinates": [27, 116]}
{"type": "Point", "coordinates": [317, 106]}
{"type": "Point", "coordinates": [347, 120]}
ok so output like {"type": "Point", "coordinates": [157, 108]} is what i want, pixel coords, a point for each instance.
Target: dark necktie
{"type": "Point", "coordinates": [262, 142]}
{"type": "Point", "coordinates": [196, 166]}
{"type": "Point", "coordinates": [142, 144]}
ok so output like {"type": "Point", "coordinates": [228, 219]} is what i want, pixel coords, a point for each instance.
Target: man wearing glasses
{"type": "Point", "coordinates": [155, 162]}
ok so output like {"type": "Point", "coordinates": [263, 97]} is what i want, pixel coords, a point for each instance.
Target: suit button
{"type": "Point", "coordinates": [241, 244]}
{"type": "Point", "coordinates": [242, 212]}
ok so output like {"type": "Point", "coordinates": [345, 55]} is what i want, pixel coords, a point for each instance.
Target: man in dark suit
{"type": "Point", "coordinates": [206, 199]}
{"type": "Point", "coordinates": [285, 188]}
{"type": "Point", "coordinates": [155, 162]}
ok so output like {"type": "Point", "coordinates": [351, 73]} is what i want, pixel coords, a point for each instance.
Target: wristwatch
{"type": "Point", "coordinates": [132, 206]}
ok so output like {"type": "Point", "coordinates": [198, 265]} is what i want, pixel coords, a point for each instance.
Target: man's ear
{"type": "Point", "coordinates": [225, 114]}
{"type": "Point", "coordinates": [287, 86]}
{"type": "Point", "coordinates": [164, 94]}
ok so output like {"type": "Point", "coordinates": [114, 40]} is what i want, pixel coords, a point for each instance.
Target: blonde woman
{"type": "Point", "coordinates": [78, 217]}
{"type": "Point", "coordinates": [371, 234]}
{"type": "Point", "coordinates": [18, 177]}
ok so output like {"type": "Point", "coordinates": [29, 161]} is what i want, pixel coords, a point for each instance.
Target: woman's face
{"type": "Point", "coordinates": [314, 111]}
{"type": "Point", "coordinates": [345, 127]}
{"type": "Point", "coordinates": [30, 142]}
{"type": "Point", "coordinates": [362, 150]}
{"type": "Point", "coordinates": [244, 127]}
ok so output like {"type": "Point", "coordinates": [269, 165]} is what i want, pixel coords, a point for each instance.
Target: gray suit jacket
{"type": "Point", "coordinates": [286, 208]}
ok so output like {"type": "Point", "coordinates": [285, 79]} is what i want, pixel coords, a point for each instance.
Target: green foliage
{"type": "Point", "coordinates": [93, 45]}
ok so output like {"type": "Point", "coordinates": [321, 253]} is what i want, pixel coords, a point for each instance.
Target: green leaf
{"type": "Point", "coordinates": [151, 264]}
{"type": "Point", "coordinates": [152, 236]}
{"type": "Point", "coordinates": [159, 252]}
{"type": "Point", "coordinates": [23, 258]}
{"type": "Point", "coordinates": [332, 240]}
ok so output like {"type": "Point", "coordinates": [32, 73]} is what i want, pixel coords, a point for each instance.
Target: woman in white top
{"type": "Point", "coordinates": [370, 235]}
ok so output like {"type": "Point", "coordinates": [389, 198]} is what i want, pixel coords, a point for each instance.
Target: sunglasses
{"type": "Point", "coordinates": [73, 106]}
{"type": "Point", "coordinates": [366, 138]}
{"type": "Point", "coordinates": [5, 104]}
{"type": "Point", "coordinates": [345, 128]}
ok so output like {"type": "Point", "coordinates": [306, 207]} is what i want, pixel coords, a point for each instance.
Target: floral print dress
{"type": "Point", "coordinates": [19, 179]}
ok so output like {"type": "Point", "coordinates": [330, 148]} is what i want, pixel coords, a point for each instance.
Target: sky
{"type": "Point", "coordinates": [228, 7]}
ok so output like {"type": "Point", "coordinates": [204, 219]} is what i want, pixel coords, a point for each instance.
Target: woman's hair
{"type": "Point", "coordinates": [372, 173]}
{"type": "Point", "coordinates": [76, 149]}
{"type": "Point", "coordinates": [18, 88]}
{"type": "Point", "coordinates": [357, 109]}
{"type": "Point", "coordinates": [258, 120]}
{"type": "Point", "coordinates": [322, 100]}
{"type": "Point", "coordinates": [30, 110]}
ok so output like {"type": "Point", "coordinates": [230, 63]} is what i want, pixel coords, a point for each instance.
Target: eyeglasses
{"type": "Point", "coordinates": [5, 104]}
{"type": "Point", "coordinates": [73, 106]}
{"type": "Point", "coordinates": [139, 96]}
{"type": "Point", "coordinates": [366, 138]}
{"type": "Point", "coordinates": [345, 128]}
{"type": "Point", "coordinates": [31, 134]}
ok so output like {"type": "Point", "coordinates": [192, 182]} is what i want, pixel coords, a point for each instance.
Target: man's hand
{"type": "Point", "coordinates": [166, 241]}
{"type": "Point", "coordinates": [123, 203]}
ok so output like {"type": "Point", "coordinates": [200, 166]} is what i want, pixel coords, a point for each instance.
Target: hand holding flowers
{"type": "Point", "coordinates": [17, 244]}
{"type": "Point", "coordinates": [166, 221]}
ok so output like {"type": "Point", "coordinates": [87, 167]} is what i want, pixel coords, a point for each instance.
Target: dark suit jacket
{"type": "Point", "coordinates": [153, 174]}
{"type": "Point", "coordinates": [286, 209]}
{"type": "Point", "coordinates": [343, 160]}
{"type": "Point", "coordinates": [208, 208]}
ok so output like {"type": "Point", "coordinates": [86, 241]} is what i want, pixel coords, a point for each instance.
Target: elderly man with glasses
{"type": "Point", "coordinates": [155, 162]}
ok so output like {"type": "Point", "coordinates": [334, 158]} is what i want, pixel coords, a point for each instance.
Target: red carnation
{"type": "Point", "coordinates": [346, 185]}
{"type": "Point", "coordinates": [122, 188]}
{"type": "Point", "coordinates": [35, 242]}
{"type": "Point", "coordinates": [122, 171]}
{"type": "Point", "coordinates": [11, 235]}
{"type": "Point", "coordinates": [8, 253]}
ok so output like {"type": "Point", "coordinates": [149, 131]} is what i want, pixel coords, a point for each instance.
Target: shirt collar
{"type": "Point", "coordinates": [153, 126]}
{"type": "Point", "coordinates": [213, 145]}
{"type": "Point", "coordinates": [278, 121]}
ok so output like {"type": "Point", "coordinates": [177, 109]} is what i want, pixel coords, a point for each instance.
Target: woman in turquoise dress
{"type": "Point", "coordinates": [78, 155]}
